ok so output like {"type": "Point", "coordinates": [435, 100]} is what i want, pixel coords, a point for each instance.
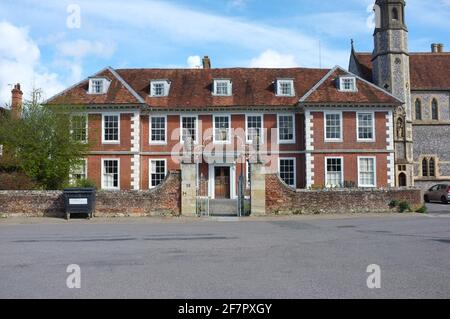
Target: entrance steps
{"type": "Point", "coordinates": [223, 207]}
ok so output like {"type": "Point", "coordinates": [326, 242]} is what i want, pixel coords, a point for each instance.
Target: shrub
{"type": "Point", "coordinates": [404, 207]}
{"type": "Point", "coordinates": [394, 204]}
{"type": "Point", "coordinates": [15, 181]}
{"type": "Point", "coordinates": [85, 183]}
{"type": "Point", "coordinates": [422, 210]}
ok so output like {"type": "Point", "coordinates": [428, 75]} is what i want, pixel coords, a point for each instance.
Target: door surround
{"type": "Point", "coordinates": [212, 184]}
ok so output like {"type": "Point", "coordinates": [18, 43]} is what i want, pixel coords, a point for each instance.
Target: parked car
{"type": "Point", "coordinates": [440, 193]}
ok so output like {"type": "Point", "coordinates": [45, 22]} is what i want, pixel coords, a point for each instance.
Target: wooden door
{"type": "Point", "coordinates": [222, 182]}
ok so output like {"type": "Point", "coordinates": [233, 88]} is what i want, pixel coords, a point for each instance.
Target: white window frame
{"type": "Point", "coordinates": [284, 81]}
{"type": "Point", "coordinates": [228, 141]}
{"type": "Point", "coordinates": [150, 170]}
{"type": "Point", "coordinates": [103, 172]}
{"type": "Point", "coordinates": [118, 128]}
{"type": "Point", "coordinates": [373, 127]}
{"type": "Point", "coordinates": [229, 87]}
{"type": "Point", "coordinates": [293, 140]}
{"type": "Point", "coordinates": [325, 126]}
{"type": "Point", "coordinates": [295, 168]}
{"type": "Point", "coordinates": [374, 171]}
{"type": "Point", "coordinates": [86, 116]}
{"type": "Point", "coordinates": [166, 85]}
{"type": "Point", "coordinates": [71, 177]}
{"type": "Point", "coordinates": [342, 88]}
{"type": "Point", "coordinates": [105, 86]}
{"type": "Point", "coordinates": [326, 170]}
{"type": "Point", "coordinates": [196, 127]}
{"type": "Point", "coordinates": [248, 141]}
{"type": "Point", "coordinates": [150, 130]}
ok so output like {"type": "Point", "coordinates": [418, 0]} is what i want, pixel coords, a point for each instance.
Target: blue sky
{"type": "Point", "coordinates": [39, 48]}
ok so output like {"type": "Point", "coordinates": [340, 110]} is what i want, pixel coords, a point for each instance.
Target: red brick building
{"type": "Point", "coordinates": [315, 127]}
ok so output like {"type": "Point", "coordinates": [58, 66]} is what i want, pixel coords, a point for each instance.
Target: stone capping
{"type": "Point", "coordinates": [164, 200]}
{"type": "Point", "coordinates": [282, 199]}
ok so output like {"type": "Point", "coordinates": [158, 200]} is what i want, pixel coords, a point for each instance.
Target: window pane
{"type": "Point", "coordinates": [286, 128]}
{"type": "Point", "coordinates": [334, 172]}
{"type": "Point", "coordinates": [158, 89]}
{"type": "Point", "coordinates": [333, 126]}
{"type": "Point", "coordinates": [158, 172]}
{"type": "Point", "coordinates": [189, 129]}
{"type": "Point", "coordinates": [367, 172]}
{"type": "Point", "coordinates": [287, 171]}
{"type": "Point", "coordinates": [435, 110]}
{"type": "Point", "coordinates": [418, 110]}
{"type": "Point", "coordinates": [254, 128]}
{"type": "Point", "coordinates": [365, 126]}
{"type": "Point", "coordinates": [111, 174]}
{"type": "Point", "coordinates": [79, 172]}
{"type": "Point", "coordinates": [158, 129]}
{"type": "Point", "coordinates": [111, 128]}
{"type": "Point", "coordinates": [79, 132]}
{"type": "Point", "coordinates": [222, 128]}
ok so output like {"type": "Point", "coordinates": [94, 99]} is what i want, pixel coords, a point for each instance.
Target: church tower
{"type": "Point", "coordinates": [390, 60]}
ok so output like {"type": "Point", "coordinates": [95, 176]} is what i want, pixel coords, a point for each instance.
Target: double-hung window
{"type": "Point", "coordinates": [366, 127]}
{"type": "Point", "coordinates": [285, 88]}
{"type": "Point", "coordinates": [111, 128]}
{"type": "Point", "coordinates": [334, 176]}
{"type": "Point", "coordinates": [286, 128]}
{"type": "Point", "coordinates": [189, 129]}
{"type": "Point", "coordinates": [333, 127]}
{"type": "Point", "coordinates": [158, 130]}
{"type": "Point", "coordinates": [98, 86]}
{"type": "Point", "coordinates": [254, 128]}
{"type": "Point", "coordinates": [159, 88]}
{"type": "Point", "coordinates": [222, 87]}
{"type": "Point", "coordinates": [158, 172]}
{"type": "Point", "coordinates": [110, 174]}
{"type": "Point", "coordinates": [347, 84]}
{"type": "Point", "coordinates": [222, 129]}
{"type": "Point", "coordinates": [287, 171]}
{"type": "Point", "coordinates": [366, 172]}
{"type": "Point", "coordinates": [79, 171]}
{"type": "Point", "coordinates": [79, 128]}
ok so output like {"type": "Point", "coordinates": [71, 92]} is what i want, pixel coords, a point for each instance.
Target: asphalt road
{"type": "Point", "coordinates": [285, 258]}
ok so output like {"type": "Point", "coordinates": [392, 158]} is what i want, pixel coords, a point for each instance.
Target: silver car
{"type": "Point", "coordinates": [438, 193]}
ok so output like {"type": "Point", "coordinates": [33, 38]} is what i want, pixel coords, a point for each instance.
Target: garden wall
{"type": "Point", "coordinates": [280, 199]}
{"type": "Point", "coordinates": [161, 201]}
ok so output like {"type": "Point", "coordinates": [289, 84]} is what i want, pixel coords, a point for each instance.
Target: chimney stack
{"type": "Point", "coordinates": [206, 62]}
{"type": "Point", "coordinates": [440, 48]}
{"type": "Point", "coordinates": [434, 48]}
{"type": "Point", "coordinates": [16, 104]}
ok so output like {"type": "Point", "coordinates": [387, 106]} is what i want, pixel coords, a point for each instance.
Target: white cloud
{"type": "Point", "coordinates": [20, 63]}
{"type": "Point", "coordinates": [80, 49]}
{"type": "Point", "coordinates": [194, 61]}
{"type": "Point", "coordinates": [273, 59]}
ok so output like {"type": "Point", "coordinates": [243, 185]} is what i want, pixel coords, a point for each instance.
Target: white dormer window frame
{"type": "Point", "coordinates": [98, 86]}
{"type": "Point", "coordinates": [222, 87]}
{"type": "Point", "coordinates": [159, 88]}
{"type": "Point", "coordinates": [347, 84]}
{"type": "Point", "coordinates": [285, 87]}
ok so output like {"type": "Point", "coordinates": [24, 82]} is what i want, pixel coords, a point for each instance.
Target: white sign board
{"type": "Point", "coordinates": [78, 201]}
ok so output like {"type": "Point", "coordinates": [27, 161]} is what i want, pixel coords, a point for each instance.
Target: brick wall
{"type": "Point", "coordinates": [280, 199]}
{"type": "Point", "coordinates": [164, 200]}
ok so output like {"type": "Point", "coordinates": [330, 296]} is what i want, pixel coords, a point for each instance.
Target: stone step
{"type": "Point", "coordinates": [223, 207]}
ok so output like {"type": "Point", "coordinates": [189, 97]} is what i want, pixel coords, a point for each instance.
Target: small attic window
{"type": "Point", "coordinates": [285, 87]}
{"type": "Point", "coordinates": [98, 86]}
{"type": "Point", "coordinates": [159, 88]}
{"type": "Point", "coordinates": [222, 87]}
{"type": "Point", "coordinates": [347, 84]}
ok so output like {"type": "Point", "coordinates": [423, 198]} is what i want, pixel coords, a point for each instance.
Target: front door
{"type": "Point", "coordinates": [222, 182]}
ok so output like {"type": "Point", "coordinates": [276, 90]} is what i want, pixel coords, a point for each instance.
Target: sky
{"type": "Point", "coordinates": [53, 44]}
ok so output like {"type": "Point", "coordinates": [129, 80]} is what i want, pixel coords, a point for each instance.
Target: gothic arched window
{"type": "Point", "coordinates": [425, 167]}
{"type": "Point", "coordinates": [418, 110]}
{"type": "Point", "coordinates": [395, 14]}
{"type": "Point", "coordinates": [434, 110]}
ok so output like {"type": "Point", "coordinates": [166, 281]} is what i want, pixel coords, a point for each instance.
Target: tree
{"type": "Point", "coordinates": [41, 143]}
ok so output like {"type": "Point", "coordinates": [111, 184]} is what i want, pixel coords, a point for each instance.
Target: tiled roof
{"type": "Point", "coordinates": [429, 71]}
{"type": "Point", "coordinates": [367, 93]}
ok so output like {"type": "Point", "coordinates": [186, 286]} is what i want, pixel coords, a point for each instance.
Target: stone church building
{"type": "Point", "coordinates": [422, 82]}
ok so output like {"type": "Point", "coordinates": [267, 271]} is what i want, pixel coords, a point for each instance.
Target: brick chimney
{"type": "Point", "coordinates": [16, 104]}
{"type": "Point", "coordinates": [206, 62]}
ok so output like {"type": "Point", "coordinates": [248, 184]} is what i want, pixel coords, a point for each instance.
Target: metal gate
{"type": "Point", "coordinates": [203, 200]}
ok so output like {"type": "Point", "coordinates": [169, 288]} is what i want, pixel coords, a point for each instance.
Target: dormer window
{"type": "Point", "coordinates": [159, 88]}
{"type": "Point", "coordinates": [285, 87]}
{"type": "Point", "coordinates": [347, 84]}
{"type": "Point", "coordinates": [98, 85]}
{"type": "Point", "coordinates": [222, 87]}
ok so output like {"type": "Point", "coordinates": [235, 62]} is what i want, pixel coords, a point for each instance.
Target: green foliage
{"type": "Point", "coordinates": [394, 204]}
{"type": "Point", "coordinates": [422, 210]}
{"type": "Point", "coordinates": [84, 183]}
{"type": "Point", "coordinates": [42, 144]}
{"type": "Point", "coordinates": [404, 207]}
